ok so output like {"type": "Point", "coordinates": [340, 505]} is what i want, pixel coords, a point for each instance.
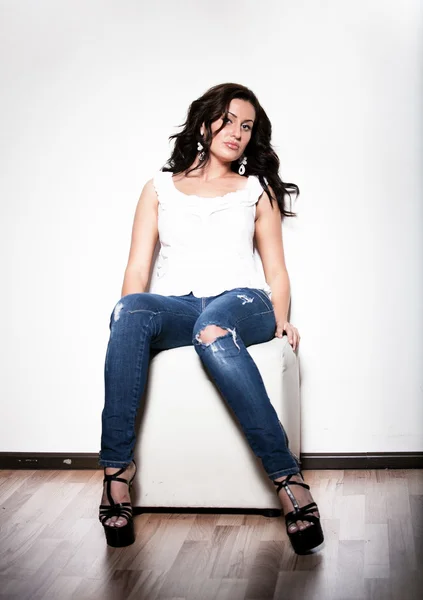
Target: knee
{"type": "Point", "coordinates": [210, 333]}
{"type": "Point", "coordinates": [207, 336]}
{"type": "Point", "coordinates": [128, 304]}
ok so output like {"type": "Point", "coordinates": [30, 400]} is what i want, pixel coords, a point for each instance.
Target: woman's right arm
{"type": "Point", "coordinates": [143, 242]}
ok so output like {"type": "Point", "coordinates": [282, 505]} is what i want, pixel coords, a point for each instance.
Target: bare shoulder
{"type": "Point", "coordinates": [264, 208]}
{"type": "Point", "coordinates": [149, 186]}
{"type": "Point", "coordinates": [148, 193]}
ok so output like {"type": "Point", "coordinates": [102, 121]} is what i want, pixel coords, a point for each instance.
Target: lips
{"type": "Point", "coordinates": [232, 146]}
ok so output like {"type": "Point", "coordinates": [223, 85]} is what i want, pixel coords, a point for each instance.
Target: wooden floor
{"type": "Point", "coordinates": [52, 545]}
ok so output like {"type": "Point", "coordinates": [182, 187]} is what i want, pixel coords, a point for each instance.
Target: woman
{"type": "Point", "coordinates": [220, 190]}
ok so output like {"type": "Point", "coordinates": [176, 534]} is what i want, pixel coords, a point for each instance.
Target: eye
{"type": "Point", "coordinates": [245, 126]}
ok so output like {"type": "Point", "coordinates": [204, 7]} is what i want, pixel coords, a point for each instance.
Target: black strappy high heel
{"type": "Point", "coordinates": [117, 537]}
{"type": "Point", "coordinates": [306, 539]}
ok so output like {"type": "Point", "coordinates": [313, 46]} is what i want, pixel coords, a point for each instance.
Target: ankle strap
{"type": "Point", "coordinates": [287, 481]}
{"type": "Point", "coordinates": [114, 478]}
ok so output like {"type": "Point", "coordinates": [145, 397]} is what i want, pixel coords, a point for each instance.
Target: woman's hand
{"type": "Point", "coordinates": [291, 331]}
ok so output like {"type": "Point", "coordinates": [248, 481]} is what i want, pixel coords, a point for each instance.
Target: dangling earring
{"type": "Point", "coordinates": [199, 148]}
{"type": "Point", "coordinates": [243, 162]}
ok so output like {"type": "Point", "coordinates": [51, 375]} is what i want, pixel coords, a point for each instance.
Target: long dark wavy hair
{"type": "Point", "coordinates": [262, 160]}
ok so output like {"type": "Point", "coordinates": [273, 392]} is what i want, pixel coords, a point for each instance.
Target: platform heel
{"type": "Point", "coordinates": [303, 541]}
{"type": "Point", "coordinates": [118, 537]}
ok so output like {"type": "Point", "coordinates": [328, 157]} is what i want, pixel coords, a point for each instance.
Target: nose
{"type": "Point", "coordinates": [236, 131]}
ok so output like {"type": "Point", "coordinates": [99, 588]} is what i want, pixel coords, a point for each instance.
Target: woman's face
{"type": "Point", "coordinates": [230, 143]}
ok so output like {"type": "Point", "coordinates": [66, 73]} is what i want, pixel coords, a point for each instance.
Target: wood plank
{"type": "Point", "coordinates": [350, 510]}
{"type": "Point", "coordinates": [376, 552]}
{"type": "Point", "coordinates": [53, 546]}
{"type": "Point", "coordinates": [264, 573]}
{"type": "Point", "coordinates": [350, 570]}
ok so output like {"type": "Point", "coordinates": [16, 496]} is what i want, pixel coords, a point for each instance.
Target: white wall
{"type": "Point", "coordinates": [92, 89]}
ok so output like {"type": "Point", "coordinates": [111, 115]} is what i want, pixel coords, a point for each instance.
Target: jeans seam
{"type": "Point", "coordinates": [119, 462]}
{"type": "Point", "coordinates": [294, 456]}
{"type": "Point", "coordinates": [260, 292]}
{"type": "Point", "coordinates": [266, 312]}
{"type": "Point", "coordinates": [135, 404]}
{"type": "Point", "coordinates": [283, 472]}
{"type": "Point", "coordinates": [159, 312]}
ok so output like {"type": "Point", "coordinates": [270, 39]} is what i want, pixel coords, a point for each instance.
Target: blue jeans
{"type": "Point", "coordinates": [143, 322]}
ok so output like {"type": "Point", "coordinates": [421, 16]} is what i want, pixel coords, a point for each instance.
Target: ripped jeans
{"type": "Point", "coordinates": [144, 321]}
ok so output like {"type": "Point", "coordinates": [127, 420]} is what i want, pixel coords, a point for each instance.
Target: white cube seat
{"type": "Point", "coordinates": [191, 451]}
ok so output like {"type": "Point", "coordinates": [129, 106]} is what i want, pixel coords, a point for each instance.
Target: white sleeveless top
{"type": "Point", "coordinates": [206, 244]}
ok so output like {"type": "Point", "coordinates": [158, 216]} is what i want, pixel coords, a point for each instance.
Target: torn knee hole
{"type": "Point", "coordinates": [209, 334]}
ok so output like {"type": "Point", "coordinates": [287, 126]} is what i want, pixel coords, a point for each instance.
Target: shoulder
{"type": "Point", "coordinates": [149, 185]}
{"type": "Point", "coordinates": [149, 188]}
{"type": "Point", "coordinates": [261, 188]}
{"type": "Point", "coordinates": [149, 194]}
{"type": "Point", "coordinates": [257, 188]}
{"type": "Point", "coordinates": [266, 208]}
{"type": "Point", "coordinates": [159, 184]}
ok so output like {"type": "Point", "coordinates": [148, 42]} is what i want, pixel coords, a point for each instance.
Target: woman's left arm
{"type": "Point", "coordinates": [268, 238]}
